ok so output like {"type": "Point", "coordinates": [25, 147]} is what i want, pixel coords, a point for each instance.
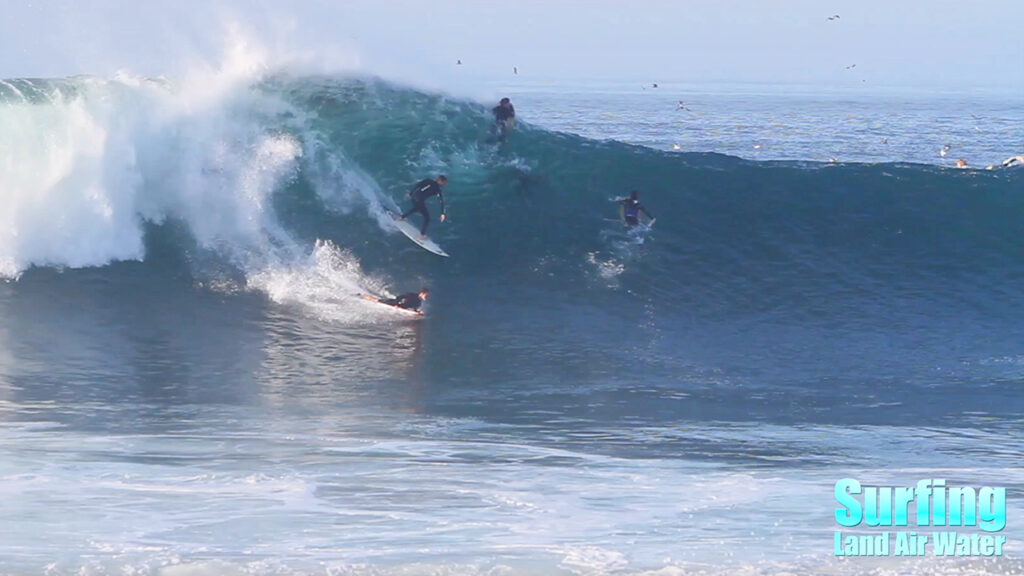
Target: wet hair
{"type": "Point", "coordinates": [632, 195]}
{"type": "Point", "coordinates": [442, 178]}
{"type": "Point", "coordinates": [424, 291]}
{"type": "Point", "coordinates": [505, 101]}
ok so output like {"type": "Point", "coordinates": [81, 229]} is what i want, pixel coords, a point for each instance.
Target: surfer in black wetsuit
{"type": "Point", "coordinates": [410, 301]}
{"type": "Point", "coordinates": [1011, 161]}
{"type": "Point", "coordinates": [419, 193]}
{"type": "Point", "coordinates": [630, 210]}
{"type": "Point", "coordinates": [504, 118]}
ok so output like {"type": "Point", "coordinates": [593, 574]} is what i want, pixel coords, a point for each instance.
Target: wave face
{"type": "Point", "coordinates": [180, 319]}
{"type": "Point", "coordinates": [243, 176]}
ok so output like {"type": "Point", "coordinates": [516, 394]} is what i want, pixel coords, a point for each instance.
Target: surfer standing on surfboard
{"type": "Point", "coordinates": [630, 209]}
{"type": "Point", "coordinates": [419, 193]}
{"type": "Point", "coordinates": [504, 118]}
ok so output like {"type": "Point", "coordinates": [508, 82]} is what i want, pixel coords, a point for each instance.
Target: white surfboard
{"type": "Point", "coordinates": [414, 234]}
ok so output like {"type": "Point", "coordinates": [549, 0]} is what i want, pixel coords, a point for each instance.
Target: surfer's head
{"type": "Point", "coordinates": [505, 102]}
{"type": "Point", "coordinates": [442, 179]}
{"type": "Point", "coordinates": [632, 195]}
{"type": "Point", "coordinates": [424, 293]}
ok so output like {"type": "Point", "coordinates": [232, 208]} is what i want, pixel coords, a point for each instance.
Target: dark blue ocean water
{"type": "Point", "coordinates": [190, 385]}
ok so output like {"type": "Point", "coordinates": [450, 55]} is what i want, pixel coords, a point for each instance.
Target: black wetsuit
{"type": "Point", "coordinates": [631, 210]}
{"type": "Point", "coordinates": [503, 115]}
{"type": "Point", "coordinates": [418, 194]}
{"type": "Point", "coordinates": [410, 301]}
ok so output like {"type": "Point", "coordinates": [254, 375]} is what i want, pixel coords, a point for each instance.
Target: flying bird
{"type": "Point", "coordinates": [459, 63]}
{"type": "Point", "coordinates": [833, 17]}
{"type": "Point", "coordinates": [515, 70]}
{"type": "Point", "coordinates": [851, 66]}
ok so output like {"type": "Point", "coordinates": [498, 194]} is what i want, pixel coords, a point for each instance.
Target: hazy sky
{"type": "Point", "coordinates": [957, 45]}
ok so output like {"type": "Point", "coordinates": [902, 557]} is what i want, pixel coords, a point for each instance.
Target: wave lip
{"type": "Point", "coordinates": [88, 167]}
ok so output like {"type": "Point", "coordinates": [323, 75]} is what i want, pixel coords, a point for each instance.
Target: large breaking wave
{"type": "Point", "coordinates": [238, 178]}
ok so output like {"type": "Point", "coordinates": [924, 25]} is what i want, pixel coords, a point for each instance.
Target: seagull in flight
{"type": "Point", "coordinates": [833, 17]}
{"type": "Point", "coordinates": [851, 66]}
{"type": "Point", "coordinates": [682, 106]}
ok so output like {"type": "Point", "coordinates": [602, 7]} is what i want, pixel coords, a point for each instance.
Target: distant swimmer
{"type": "Point", "coordinates": [1009, 162]}
{"type": "Point", "coordinates": [944, 150]}
{"type": "Point", "coordinates": [504, 118]}
{"type": "Point", "coordinates": [410, 301]}
{"type": "Point", "coordinates": [682, 106]}
{"type": "Point", "coordinates": [630, 209]}
{"type": "Point", "coordinates": [961, 163]}
{"type": "Point", "coordinates": [419, 193]}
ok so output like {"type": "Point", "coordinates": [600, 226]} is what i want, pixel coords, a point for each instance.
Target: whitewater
{"type": "Point", "coordinates": [189, 383]}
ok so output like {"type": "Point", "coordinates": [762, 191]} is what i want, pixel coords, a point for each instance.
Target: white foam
{"type": "Point", "coordinates": [328, 282]}
{"type": "Point", "coordinates": [83, 170]}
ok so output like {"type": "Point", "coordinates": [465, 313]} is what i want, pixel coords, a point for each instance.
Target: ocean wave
{"type": "Point", "coordinates": [254, 169]}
